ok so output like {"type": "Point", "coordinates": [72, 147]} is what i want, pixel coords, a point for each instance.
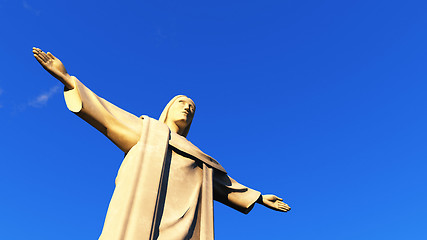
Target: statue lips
{"type": "Point", "coordinates": [186, 113]}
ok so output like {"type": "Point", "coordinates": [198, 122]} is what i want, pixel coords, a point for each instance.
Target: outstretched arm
{"type": "Point", "coordinates": [273, 202]}
{"type": "Point", "coordinates": [54, 66]}
{"type": "Point", "coordinates": [120, 126]}
{"type": "Point", "coordinates": [241, 198]}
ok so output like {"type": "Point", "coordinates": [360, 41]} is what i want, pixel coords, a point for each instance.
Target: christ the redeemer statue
{"type": "Point", "coordinates": [165, 186]}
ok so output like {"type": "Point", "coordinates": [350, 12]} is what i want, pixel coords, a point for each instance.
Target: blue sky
{"type": "Point", "coordinates": [320, 102]}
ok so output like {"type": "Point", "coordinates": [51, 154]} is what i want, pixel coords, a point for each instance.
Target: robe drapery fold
{"type": "Point", "coordinates": [165, 186]}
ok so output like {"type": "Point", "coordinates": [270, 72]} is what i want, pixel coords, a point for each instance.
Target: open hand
{"type": "Point", "coordinates": [275, 203]}
{"type": "Point", "coordinates": [54, 66]}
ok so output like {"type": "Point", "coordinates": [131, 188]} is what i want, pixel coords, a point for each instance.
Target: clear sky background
{"type": "Point", "coordinates": [320, 102]}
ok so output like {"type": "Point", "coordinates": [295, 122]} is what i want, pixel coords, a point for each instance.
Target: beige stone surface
{"type": "Point", "coordinates": [165, 186]}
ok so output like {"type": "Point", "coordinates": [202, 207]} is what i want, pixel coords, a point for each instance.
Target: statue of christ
{"type": "Point", "coordinates": [165, 186]}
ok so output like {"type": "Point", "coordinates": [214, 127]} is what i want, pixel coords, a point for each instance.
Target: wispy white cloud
{"type": "Point", "coordinates": [28, 7]}
{"type": "Point", "coordinates": [42, 99]}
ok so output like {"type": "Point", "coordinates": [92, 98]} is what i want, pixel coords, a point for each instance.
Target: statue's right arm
{"type": "Point", "coordinates": [121, 127]}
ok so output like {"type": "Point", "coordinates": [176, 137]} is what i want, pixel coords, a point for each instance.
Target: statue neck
{"type": "Point", "coordinates": [176, 128]}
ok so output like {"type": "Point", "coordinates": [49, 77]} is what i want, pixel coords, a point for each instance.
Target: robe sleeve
{"type": "Point", "coordinates": [121, 127]}
{"type": "Point", "coordinates": [233, 194]}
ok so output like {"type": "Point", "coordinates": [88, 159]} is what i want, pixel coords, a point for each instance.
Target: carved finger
{"type": "Point", "coordinates": [46, 56]}
{"type": "Point", "coordinates": [38, 50]}
{"type": "Point", "coordinates": [43, 56]}
{"type": "Point", "coordinates": [51, 55]}
{"type": "Point", "coordinates": [42, 53]}
{"type": "Point", "coordinates": [39, 59]}
{"type": "Point", "coordinates": [283, 209]}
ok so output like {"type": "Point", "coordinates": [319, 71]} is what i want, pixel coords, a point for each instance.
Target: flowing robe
{"type": "Point", "coordinates": [165, 186]}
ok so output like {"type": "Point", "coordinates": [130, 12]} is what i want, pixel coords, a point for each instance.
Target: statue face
{"type": "Point", "coordinates": [181, 112]}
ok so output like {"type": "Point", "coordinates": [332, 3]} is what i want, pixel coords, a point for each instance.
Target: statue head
{"type": "Point", "coordinates": [178, 114]}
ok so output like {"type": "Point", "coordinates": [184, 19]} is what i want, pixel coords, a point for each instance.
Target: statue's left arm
{"type": "Point", "coordinates": [233, 194]}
